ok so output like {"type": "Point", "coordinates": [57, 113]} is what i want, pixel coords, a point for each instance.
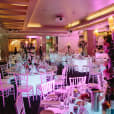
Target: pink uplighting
{"type": "Point", "coordinates": [32, 36]}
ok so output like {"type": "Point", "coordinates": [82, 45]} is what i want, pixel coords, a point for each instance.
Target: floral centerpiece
{"type": "Point", "coordinates": [82, 44]}
{"type": "Point", "coordinates": [84, 96]}
{"type": "Point", "coordinates": [106, 107]}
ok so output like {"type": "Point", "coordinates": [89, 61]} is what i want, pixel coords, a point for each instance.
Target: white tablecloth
{"type": "Point", "coordinates": [101, 56]}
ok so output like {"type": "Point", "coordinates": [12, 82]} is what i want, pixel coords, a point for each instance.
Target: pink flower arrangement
{"type": "Point", "coordinates": [106, 74]}
{"type": "Point", "coordinates": [84, 96]}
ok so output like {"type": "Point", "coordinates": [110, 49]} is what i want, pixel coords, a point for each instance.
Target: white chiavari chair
{"type": "Point", "coordinates": [61, 78]}
{"type": "Point", "coordinates": [43, 79]}
{"type": "Point", "coordinates": [23, 87]}
{"type": "Point", "coordinates": [47, 88]}
{"type": "Point", "coordinates": [79, 82]}
{"type": "Point", "coordinates": [6, 89]}
{"type": "Point", "coordinates": [75, 81]}
{"type": "Point", "coordinates": [20, 109]}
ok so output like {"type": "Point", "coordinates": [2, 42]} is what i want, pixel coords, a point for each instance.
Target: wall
{"type": "Point", "coordinates": [3, 44]}
{"type": "Point", "coordinates": [70, 38]}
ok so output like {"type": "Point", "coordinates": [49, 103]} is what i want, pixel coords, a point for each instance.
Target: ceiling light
{"type": "Point", "coordinates": [96, 33]}
{"type": "Point", "coordinates": [32, 36]}
{"type": "Point", "coordinates": [73, 24]}
{"type": "Point", "coordinates": [111, 20]}
{"type": "Point", "coordinates": [111, 23]}
{"type": "Point", "coordinates": [34, 25]}
{"type": "Point", "coordinates": [100, 13]}
{"type": "Point", "coordinates": [47, 37]}
{"type": "Point", "coordinates": [20, 4]}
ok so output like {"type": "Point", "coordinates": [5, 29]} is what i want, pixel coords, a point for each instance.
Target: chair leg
{"type": "Point", "coordinates": [36, 93]}
{"type": "Point", "coordinates": [29, 101]}
{"type": "Point", "coordinates": [3, 99]}
{"type": "Point", "coordinates": [33, 94]}
{"type": "Point", "coordinates": [89, 77]}
{"type": "Point", "coordinates": [14, 94]}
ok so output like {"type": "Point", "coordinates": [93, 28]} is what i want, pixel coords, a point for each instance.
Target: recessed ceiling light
{"type": "Point", "coordinates": [73, 24]}
{"type": "Point", "coordinates": [20, 4]}
{"type": "Point", "coordinates": [34, 25]}
{"type": "Point", "coordinates": [100, 13]}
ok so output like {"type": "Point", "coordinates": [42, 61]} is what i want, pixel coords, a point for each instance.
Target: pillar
{"type": "Point", "coordinates": [91, 42]}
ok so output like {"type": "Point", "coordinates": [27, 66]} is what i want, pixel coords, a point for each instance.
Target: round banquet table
{"type": "Point", "coordinates": [33, 80]}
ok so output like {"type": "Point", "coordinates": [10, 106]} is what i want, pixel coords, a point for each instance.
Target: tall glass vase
{"type": "Point", "coordinates": [107, 111]}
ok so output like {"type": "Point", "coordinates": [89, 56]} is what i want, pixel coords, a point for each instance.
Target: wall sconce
{"type": "Point", "coordinates": [96, 33]}
{"type": "Point", "coordinates": [34, 42]}
{"type": "Point", "coordinates": [30, 40]}
{"type": "Point", "coordinates": [26, 43]}
{"type": "Point", "coordinates": [111, 23]}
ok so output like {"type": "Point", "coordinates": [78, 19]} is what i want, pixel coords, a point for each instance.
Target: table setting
{"type": "Point", "coordinates": [68, 102]}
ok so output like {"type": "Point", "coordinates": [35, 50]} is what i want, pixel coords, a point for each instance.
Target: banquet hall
{"type": "Point", "coordinates": [56, 57]}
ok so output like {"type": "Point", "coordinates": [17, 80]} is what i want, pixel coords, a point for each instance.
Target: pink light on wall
{"type": "Point", "coordinates": [33, 36]}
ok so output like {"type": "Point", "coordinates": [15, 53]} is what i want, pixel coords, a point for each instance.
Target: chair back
{"type": "Point", "coordinates": [21, 79]}
{"type": "Point", "coordinates": [99, 80]}
{"type": "Point", "coordinates": [0, 76]}
{"type": "Point", "coordinates": [49, 75]}
{"type": "Point", "coordinates": [64, 71]}
{"type": "Point", "coordinates": [43, 78]}
{"type": "Point", "coordinates": [74, 81]}
{"type": "Point", "coordinates": [0, 79]}
{"type": "Point", "coordinates": [47, 87]}
{"type": "Point", "coordinates": [3, 68]}
{"type": "Point", "coordinates": [20, 109]}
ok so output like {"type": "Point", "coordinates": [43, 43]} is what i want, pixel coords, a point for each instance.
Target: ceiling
{"type": "Point", "coordinates": [13, 13]}
{"type": "Point", "coordinates": [28, 15]}
{"type": "Point", "coordinates": [45, 11]}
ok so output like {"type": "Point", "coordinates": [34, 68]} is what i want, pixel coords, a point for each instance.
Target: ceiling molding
{"type": "Point", "coordinates": [30, 11]}
{"type": "Point", "coordinates": [9, 12]}
{"type": "Point", "coordinates": [84, 21]}
{"type": "Point", "coordinates": [21, 3]}
{"type": "Point", "coordinates": [9, 6]}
